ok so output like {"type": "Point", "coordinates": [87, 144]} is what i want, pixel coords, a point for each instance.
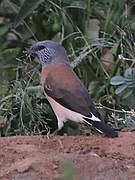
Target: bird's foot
{"type": "Point", "coordinates": [55, 132]}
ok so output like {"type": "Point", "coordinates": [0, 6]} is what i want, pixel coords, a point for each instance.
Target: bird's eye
{"type": "Point", "coordinates": [40, 48]}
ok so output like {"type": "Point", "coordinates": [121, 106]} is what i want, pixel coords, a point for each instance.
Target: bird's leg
{"type": "Point", "coordinates": [60, 126]}
{"type": "Point", "coordinates": [55, 132]}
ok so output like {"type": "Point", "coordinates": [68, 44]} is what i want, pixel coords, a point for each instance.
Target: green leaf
{"type": "Point", "coordinates": [117, 80]}
{"type": "Point", "coordinates": [128, 80]}
{"type": "Point", "coordinates": [127, 94]}
{"type": "Point", "coordinates": [120, 89]}
{"type": "Point", "coordinates": [4, 28]}
{"type": "Point", "coordinates": [25, 10]}
{"type": "Point", "coordinates": [133, 25]}
{"type": "Point", "coordinates": [35, 89]}
{"type": "Point", "coordinates": [128, 73]}
{"type": "Point", "coordinates": [77, 4]}
{"type": "Point", "coordinates": [67, 24]}
{"type": "Point", "coordinates": [93, 31]}
{"type": "Point", "coordinates": [114, 49]}
{"type": "Point", "coordinates": [24, 32]}
{"type": "Point", "coordinates": [131, 84]}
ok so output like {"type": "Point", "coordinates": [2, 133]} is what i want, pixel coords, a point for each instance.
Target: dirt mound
{"type": "Point", "coordinates": [65, 157]}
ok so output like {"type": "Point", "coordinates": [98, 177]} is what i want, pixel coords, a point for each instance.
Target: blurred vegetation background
{"type": "Point", "coordinates": [99, 38]}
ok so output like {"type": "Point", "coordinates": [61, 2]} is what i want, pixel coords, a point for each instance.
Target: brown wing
{"type": "Point", "coordinates": [64, 87]}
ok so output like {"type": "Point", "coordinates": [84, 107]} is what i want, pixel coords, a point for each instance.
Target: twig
{"type": "Point", "coordinates": [79, 59]}
{"type": "Point", "coordinates": [127, 59]}
{"type": "Point", "coordinates": [99, 106]}
{"type": "Point", "coordinates": [68, 36]}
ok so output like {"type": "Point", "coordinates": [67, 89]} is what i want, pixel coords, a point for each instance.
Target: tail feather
{"type": "Point", "coordinates": [102, 127]}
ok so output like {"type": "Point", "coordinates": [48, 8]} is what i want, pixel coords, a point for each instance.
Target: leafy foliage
{"type": "Point", "coordinates": [99, 38]}
{"type": "Point", "coordinates": [126, 83]}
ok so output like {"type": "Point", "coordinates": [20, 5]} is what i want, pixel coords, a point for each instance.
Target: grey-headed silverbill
{"type": "Point", "coordinates": [65, 92]}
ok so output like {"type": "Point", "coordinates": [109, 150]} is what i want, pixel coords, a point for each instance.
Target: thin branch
{"type": "Point", "coordinates": [100, 106]}
{"type": "Point", "coordinates": [68, 36]}
{"type": "Point", "coordinates": [125, 59]}
{"type": "Point", "coordinates": [79, 59]}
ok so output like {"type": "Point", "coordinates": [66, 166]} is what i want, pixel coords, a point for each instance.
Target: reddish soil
{"type": "Point", "coordinates": [61, 157]}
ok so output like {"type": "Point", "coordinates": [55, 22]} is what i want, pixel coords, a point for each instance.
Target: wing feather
{"type": "Point", "coordinates": [71, 94]}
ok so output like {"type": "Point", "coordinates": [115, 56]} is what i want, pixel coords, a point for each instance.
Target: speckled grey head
{"type": "Point", "coordinates": [49, 52]}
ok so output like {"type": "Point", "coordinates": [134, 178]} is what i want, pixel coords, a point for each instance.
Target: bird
{"type": "Point", "coordinates": [65, 92]}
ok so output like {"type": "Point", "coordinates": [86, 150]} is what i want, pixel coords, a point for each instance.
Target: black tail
{"type": "Point", "coordinates": [101, 126]}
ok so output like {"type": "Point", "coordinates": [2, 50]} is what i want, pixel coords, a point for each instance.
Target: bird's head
{"type": "Point", "coordinates": [49, 52]}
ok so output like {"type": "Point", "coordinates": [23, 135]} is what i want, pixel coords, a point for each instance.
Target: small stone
{"type": "Point", "coordinates": [67, 150]}
{"type": "Point", "coordinates": [23, 169]}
